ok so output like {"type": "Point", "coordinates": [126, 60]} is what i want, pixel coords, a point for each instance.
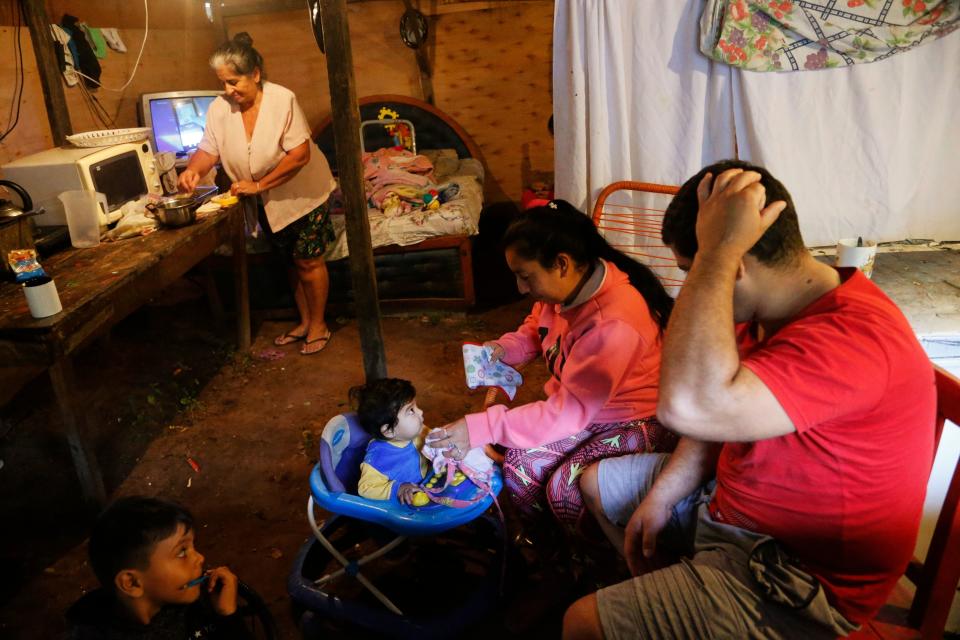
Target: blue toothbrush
{"type": "Point", "coordinates": [196, 581]}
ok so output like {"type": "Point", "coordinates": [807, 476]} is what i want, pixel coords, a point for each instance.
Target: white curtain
{"type": "Point", "coordinates": [869, 150]}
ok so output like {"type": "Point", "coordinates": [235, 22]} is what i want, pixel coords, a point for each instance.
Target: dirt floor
{"type": "Point", "coordinates": [167, 386]}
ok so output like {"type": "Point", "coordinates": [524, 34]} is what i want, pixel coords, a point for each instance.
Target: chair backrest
{"type": "Point", "coordinates": [629, 215]}
{"type": "Point", "coordinates": [343, 444]}
{"type": "Point", "coordinates": [937, 577]}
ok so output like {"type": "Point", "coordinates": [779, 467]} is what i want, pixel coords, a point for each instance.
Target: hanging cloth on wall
{"type": "Point", "coordinates": [772, 35]}
{"type": "Point", "coordinates": [65, 58]}
{"type": "Point", "coordinates": [82, 51]}
{"type": "Point", "coordinates": [112, 36]}
{"type": "Point", "coordinates": [95, 38]}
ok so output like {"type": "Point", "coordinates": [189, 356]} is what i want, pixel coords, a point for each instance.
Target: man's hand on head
{"type": "Point", "coordinates": [732, 216]}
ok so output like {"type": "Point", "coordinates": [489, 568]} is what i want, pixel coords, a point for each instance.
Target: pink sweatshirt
{"type": "Point", "coordinates": [604, 355]}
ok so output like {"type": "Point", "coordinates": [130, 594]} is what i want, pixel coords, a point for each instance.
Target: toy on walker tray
{"type": "Point", "coordinates": [455, 483]}
{"type": "Point", "coordinates": [483, 373]}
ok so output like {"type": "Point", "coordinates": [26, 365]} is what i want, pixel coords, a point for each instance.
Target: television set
{"type": "Point", "coordinates": [176, 120]}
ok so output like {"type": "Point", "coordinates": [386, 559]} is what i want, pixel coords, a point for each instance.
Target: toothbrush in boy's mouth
{"type": "Point", "coordinates": [196, 581]}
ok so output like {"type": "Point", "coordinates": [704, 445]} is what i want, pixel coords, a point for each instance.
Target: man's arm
{"type": "Point", "coordinates": [705, 392]}
{"type": "Point", "coordinates": [689, 467]}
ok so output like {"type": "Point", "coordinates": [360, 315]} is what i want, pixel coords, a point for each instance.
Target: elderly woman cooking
{"type": "Point", "coordinates": [259, 133]}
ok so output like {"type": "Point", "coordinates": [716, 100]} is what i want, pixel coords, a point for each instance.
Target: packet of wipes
{"type": "Point", "coordinates": [24, 264]}
{"type": "Point", "coordinates": [481, 372]}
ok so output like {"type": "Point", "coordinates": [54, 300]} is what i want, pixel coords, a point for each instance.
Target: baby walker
{"type": "Point", "coordinates": [446, 577]}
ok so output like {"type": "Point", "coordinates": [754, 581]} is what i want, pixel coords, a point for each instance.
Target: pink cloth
{"type": "Point", "coordinates": [382, 178]}
{"type": "Point", "coordinates": [280, 127]}
{"type": "Point", "coordinates": [386, 169]}
{"type": "Point", "coordinates": [395, 159]}
{"type": "Point", "coordinates": [547, 477]}
{"type": "Point", "coordinates": [604, 355]}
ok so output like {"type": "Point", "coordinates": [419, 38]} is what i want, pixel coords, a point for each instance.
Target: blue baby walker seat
{"type": "Point", "coordinates": [477, 549]}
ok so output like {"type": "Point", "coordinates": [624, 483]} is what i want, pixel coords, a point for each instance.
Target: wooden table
{"type": "Point", "coordinates": [98, 287]}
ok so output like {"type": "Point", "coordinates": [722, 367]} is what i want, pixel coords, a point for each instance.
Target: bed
{"type": "Point", "coordinates": [424, 258]}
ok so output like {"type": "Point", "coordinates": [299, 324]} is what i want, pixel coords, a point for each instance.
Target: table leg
{"type": "Point", "coordinates": [213, 296]}
{"type": "Point", "coordinates": [74, 426]}
{"type": "Point", "coordinates": [241, 286]}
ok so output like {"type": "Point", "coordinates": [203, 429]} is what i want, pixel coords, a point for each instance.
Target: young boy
{"type": "Point", "coordinates": [142, 552]}
{"type": "Point", "coordinates": [393, 466]}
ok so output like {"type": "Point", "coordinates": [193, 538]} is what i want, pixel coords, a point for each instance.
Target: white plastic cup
{"type": "Point", "coordinates": [42, 297]}
{"type": "Point", "coordinates": [856, 252]}
{"type": "Point", "coordinates": [83, 216]}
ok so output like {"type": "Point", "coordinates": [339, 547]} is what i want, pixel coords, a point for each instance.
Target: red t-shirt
{"type": "Point", "coordinates": [844, 493]}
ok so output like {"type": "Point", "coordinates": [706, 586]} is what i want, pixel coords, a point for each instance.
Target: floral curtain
{"type": "Point", "coordinates": [801, 35]}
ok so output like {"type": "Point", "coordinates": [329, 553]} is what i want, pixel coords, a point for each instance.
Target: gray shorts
{"type": "Point", "coordinates": [738, 584]}
{"type": "Point", "coordinates": [626, 480]}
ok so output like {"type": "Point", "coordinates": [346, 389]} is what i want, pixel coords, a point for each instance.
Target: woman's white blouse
{"type": "Point", "coordinates": [280, 127]}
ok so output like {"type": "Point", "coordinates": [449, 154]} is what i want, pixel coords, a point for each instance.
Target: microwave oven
{"type": "Point", "coordinates": [121, 172]}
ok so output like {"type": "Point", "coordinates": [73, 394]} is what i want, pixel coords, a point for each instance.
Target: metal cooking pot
{"type": "Point", "coordinates": [179, 210]}
{"type": "Point", "coordinates": [176, 211]}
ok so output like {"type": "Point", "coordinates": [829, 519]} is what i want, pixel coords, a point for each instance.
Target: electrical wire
{"type": "Point", "coordinates": [136, 65]}
{"type": "Point", "coordinates": [86, 103]}
{"type": "Point", "coordinates": [18, 83]}
{"type": "Point", "coordinates": [96, 109]}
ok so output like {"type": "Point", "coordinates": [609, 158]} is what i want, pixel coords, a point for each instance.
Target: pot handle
{"type": "Point", "coordinates": [150, 210]}
{"type": "Point", "coordinates": [20, 191]}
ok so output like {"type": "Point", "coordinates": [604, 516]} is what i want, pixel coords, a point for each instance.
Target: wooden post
{"type": "Point", "coordinates": [50, 77]}
{"type": "Point", "coordinates": [423, 64]}
{"type": "Point", "coordinates": [346, 136]}
{"type": "Point", "coordinates": [426, 81]}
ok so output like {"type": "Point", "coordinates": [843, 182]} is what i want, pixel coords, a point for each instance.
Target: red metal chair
{"type": "Point", "coordinates": [629, 215]}
{"type": "Point", "coordinates": [924, 613]}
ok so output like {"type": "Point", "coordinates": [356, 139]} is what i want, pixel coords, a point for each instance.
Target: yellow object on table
{"type": "Point", "coordinates": [225, 199]}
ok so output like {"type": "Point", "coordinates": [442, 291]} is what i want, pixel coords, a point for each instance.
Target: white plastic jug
{"type": "Point", "coordinates": [83, 216]}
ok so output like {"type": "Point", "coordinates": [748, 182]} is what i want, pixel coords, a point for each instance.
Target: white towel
{"type": "Point", "coordinates": [481, 372]}
{"type": "Point", "coordinates": [113, 39]}
{"type": "Point", "coordinates": [476, 459]}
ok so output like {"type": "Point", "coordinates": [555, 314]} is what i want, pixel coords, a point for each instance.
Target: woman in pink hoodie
{"type": "Point", "coordinates": [597, 321]}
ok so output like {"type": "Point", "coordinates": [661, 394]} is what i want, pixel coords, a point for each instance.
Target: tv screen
{"type": "Point", "coordinates": [177, 119]}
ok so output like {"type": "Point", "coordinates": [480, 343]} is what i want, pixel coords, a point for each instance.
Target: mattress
{"type": "Point", "coordinates": [459, 216]}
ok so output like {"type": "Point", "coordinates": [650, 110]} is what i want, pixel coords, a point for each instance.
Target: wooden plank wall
{"type": "Point", "coordinates": [382, 64]}
{"type": "Point", "coordinates": [491, 69]}
{"type": "Point", "coordinates": [180, 41]}
{"type": "Point", "coordinates": [32, 132]}
{"type": "Point", "coordinates": [491, 72]}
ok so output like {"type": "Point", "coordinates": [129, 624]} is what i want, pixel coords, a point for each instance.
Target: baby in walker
{"type": "Point", "coordinates": [394, 466]}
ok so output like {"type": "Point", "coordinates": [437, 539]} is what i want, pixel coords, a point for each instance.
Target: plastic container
{"type": "Point", "coordinates": [82, 208]}
{"type": "Point", "coordinates": [42, 298]}
{"type": "Point", "coordinates": [857, 252]}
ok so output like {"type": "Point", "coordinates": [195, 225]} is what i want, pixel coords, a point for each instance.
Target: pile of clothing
{"type": "Point", "coordinates": [399, 182]}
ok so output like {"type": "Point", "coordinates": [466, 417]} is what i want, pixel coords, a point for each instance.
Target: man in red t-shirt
{"type": "Point", "coordinates": [824, 403]}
